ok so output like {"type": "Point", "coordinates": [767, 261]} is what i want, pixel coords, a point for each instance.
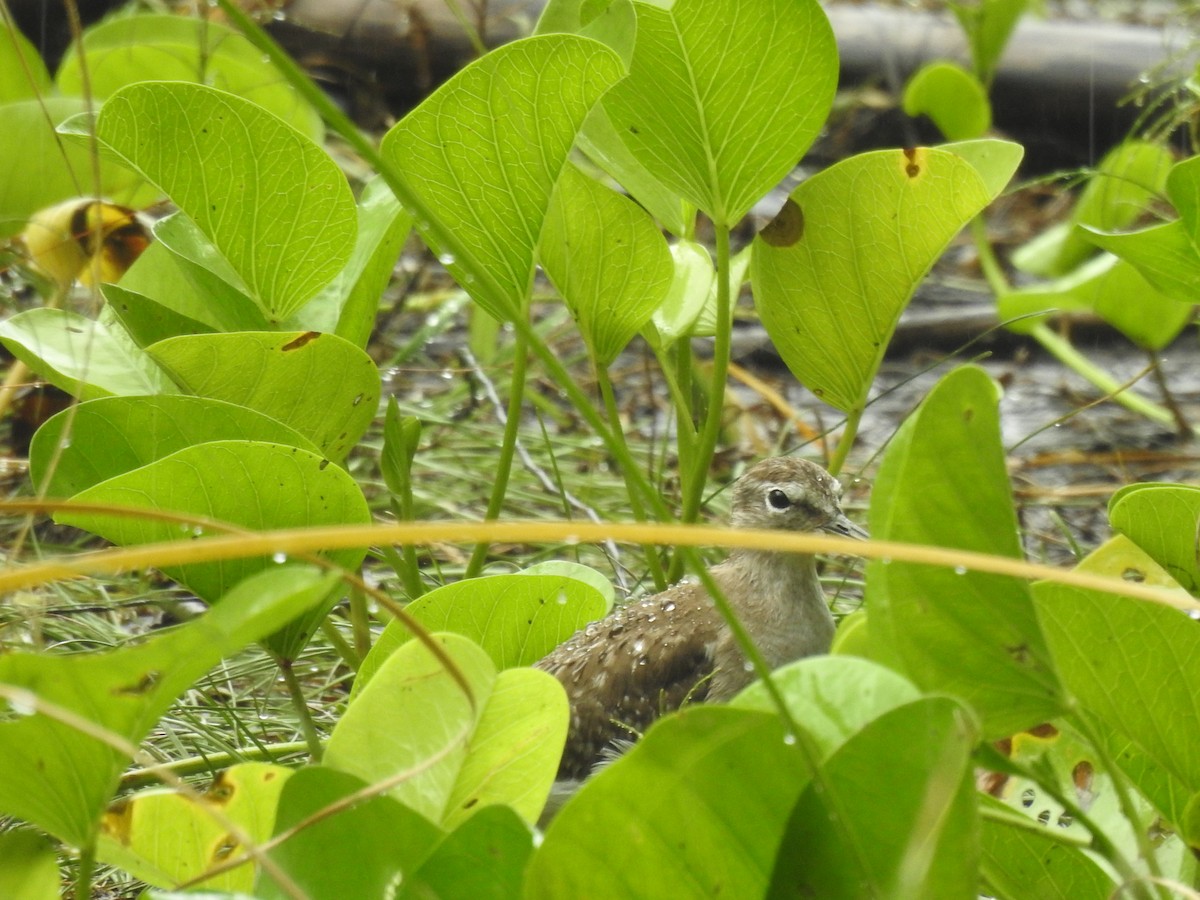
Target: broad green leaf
{"type": "Point", "coordinates": [500, 745]}
{"type": "Point", "coordinates": [607, 259]}
{"type": "Point", "coordinates": [943, 482]}
{"type": "Point", "coordinates": [724, 96]}
{"type": "Point", "coordinates": [834, 270]}
{"type": "Point", "coordinates": [100, 439]}
{"type": "Point", "coordinates": [60, 778]}
{"type": "Point", "coordinates": [23, 75]}
{"type": "Point", "coordinates": [579, 572]}
{"type": "Point", "coordinates": [170, 279]}
{"type": "Point", "coordinates": [1112, 288]}
{"type": "Point", "coordinates": [484, 151]}
{"type": "Point", "coordinates": [514, 752]}
{"type": "Point", "coordinates": [841, 841]}
{"type": "Point", "coordinates": [1163, 520]}
{"type": "Point", "coordinates": [485, 857]}
{"type": "Point", "coordinates": [695, 809]}
{"type": "Point", "coordinates": [360, 852]}
{"type": "Point", "coordinates": [952, 97]}
{"type": "Point", "coordinates": [516, 619]}
{"type": "Point", "coordinates": [1017, 863]}
{"type": "Point", "coordinates": [28, 866]}
{"type": "Point", "coordinates": [39, 170]}
{"type": "Point", "coordinates": [257, 486]}
{"type": "Point", "coordinates": [1125, 181]}
{"type": "Point", "coordinates": [994, 161]}
{"type": "Point", "coordinates": [147, 321]}
{"type": "Point", "coordinates": [833, 696]}
{"type": "Point", "coordinates": [347, 306]}
{"type": "Point", "coordinates": [693, 282]}
{"type": "Point", "coordinates": [1183, 187]}
{"type": "Point", "coordinates": [130, 49]}
{"type": "Point", "coordinates": [318, 384]}
{"type": "Point", "coordinates": [988, 25]}
{"type": "Point", "coordinates": [163, 837]}
{"type": "Point", "coordinates": [85, 358]}
{"type": "Point", "coordinates": [1119, 557]}
{"type": "Point", "coordinates": [1164, 254]}
{"type": "Point", "coordinates": [273, 203]}
{"type": "Point", "coordinates": [1130, 662]}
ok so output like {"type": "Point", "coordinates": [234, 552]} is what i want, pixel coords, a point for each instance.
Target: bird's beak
{"type": "Point", "coordinates": [843, 527]}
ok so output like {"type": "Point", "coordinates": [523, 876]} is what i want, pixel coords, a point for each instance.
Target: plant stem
{"type": "Point", "coordinates": [210, 762]}
{"type": "Point", "coordinates": [360, 623]}
{"type": "Point", "coordinates": [1065, 353]}
{"type": "Point", "coordinates": [508, 448]}
{"type": "Point", "coordinates": [83, 875]}
{"type": "Point", "coordinates": [635, 501]}
{"type": "Point", "coordinates": [993, 272]}
{"type": "Point", "coordinates": [340, 645]}
{"type": "Point", "coordinates": [846, 441]}
{"type": "Point", "coordinates": [696, 474]}
{"type": "Point", "coordinates": [307, 727]}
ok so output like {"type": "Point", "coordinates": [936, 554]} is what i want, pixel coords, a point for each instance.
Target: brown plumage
{"type": "Point", "coordinates": [653, 655]}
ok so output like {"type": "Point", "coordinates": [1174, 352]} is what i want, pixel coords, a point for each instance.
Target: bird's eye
{"type": "Point", "coordinates": [777, 499]}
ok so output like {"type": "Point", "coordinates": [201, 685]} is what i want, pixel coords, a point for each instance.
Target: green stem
{"type": "Point", "coordinates": [710, 432]}
{"type": "Point", "coordinates": [209, 763]}
{"type": "Point", "coordinates": [360, 623]}
{"type": "Point", "coordinates": [1121, 786]}
{"type": "Point", "coordinates": [846, 441]}
{"type": "Point", "coordinates": [508, 448]}
{"type": "Point", "coordinates": [635, 501]}
{"type": "Point", "coordinates": [307, 727]}
{"type": "Point", "coordinates": [340, 646]}
{"type": "Point", "coordinates": [1065, 353]}
{"type": "Point", "coordinates": [993, 272]}
{"type": "Point", "coordinates": [83, 875]}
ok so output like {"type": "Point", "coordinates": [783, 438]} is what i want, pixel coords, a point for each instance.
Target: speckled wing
{"type": "Point", "coordinates": [623, 672]}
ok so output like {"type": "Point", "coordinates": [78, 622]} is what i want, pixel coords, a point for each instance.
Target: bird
{"type": "Point", "coordinates": [653, 655]}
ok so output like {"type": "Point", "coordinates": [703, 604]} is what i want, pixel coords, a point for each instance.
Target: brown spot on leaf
{"type": "Point", "coordinates": [141, 686]}
{"type": "Point", "coordinates": [117, 821]}
{"type": "Point", "coordinates": [913, 168]}
{"type": "Point", "coordinates": [301, 341]}
{"type": "Point", "coordinates": [222, 789]}
{"type": "Point", "coordinates": [786, 228]}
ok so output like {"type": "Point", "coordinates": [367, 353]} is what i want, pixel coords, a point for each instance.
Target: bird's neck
{"type": "Point", "coordinates": [780, 601]}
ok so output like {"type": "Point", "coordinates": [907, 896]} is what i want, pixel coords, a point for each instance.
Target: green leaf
{"type": "Point", "coordinates": [923, 842]}
{"type": "Point", "coordinates": [1129, 663]}
{"type": "Point", "coordinates": [516, 619]}
{"type": "Point", "coordinates": [84, 358]}
{"type": "Point", "coordinates": [23, 74]}
{"type": "Point", "coordinates": [952, 97]}
{"type": "Point", "coordinates": [318, 384]}
{"type": "Point", "coordinates": [994, 161]}
{"type": "Point", "coordinates": [1017, 863]}
{"type": "Point", "coordinates": [1162, 520]}
{"type": "Point", "coordinates": [258, 486]}
{"type": "Point", "coordinates": [272, 202]}
{"type": "Point", "coordinates": [1183, 187]}
{"type": "Point", "coordinates": [1164, 254]}
{"type": "Point", "coordinates": [60, 778]}
{"type": "Point", "coordinates": [175, 274]}
{"type": "Point", "coordinates": [723, 98]}
{"type": "Point", "coordinates": [360, 852]}
{"type": "Point", "coordinates": [501, 745]}
{"type": "Point", "coordinates": [347, 306]}
{"type": "Point", "coordinates": [40, 169]}
{"type": "Point", "coordinates": [1119, 557]}
{"type": "Point", "coordinates": [28, 866]}
{"type": "Point", "coordinates": [163, 837]}
{"type": "Point", "coordinates": [696, 808]}
{"type": "Point", "coordinates": [129, 49]}
{"type": "Point", "coordinates": [943, 482]}
{"type": "Point", "coordinates": [483, 154]}
{"type": "Point", "coordinates": [1110, 287]}
{"type": "Point", "coordinates": [693, 282]}
{"type": "Point", "coordinates": [147, 321]}
{"type": "Point", "coordinates": [834, 270]}
{"type": "Point", "coordinates": [101, 439]}
{"type": "Point", "coordinates": [1126, 180]}
{"type": "Point", "coordinates": [607, 259]}
{"type": "Point", "coordinates": [988, 25]}
{"type": "Point", "coordinates": [483, 858]}
{"type": "Point", "coordinates": [833, 696]}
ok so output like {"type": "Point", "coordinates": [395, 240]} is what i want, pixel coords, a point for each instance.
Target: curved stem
{"type": "Point", "coordinates": [845, 442]}
{"type": "Point", "coordinates": [307, 727]}
{"type": "Point", "coordinates": [508, 447]}
{"type": "Point", "coordinates": [1064, 352]}
{"type": "Point", "coordinates": [635, 501]}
